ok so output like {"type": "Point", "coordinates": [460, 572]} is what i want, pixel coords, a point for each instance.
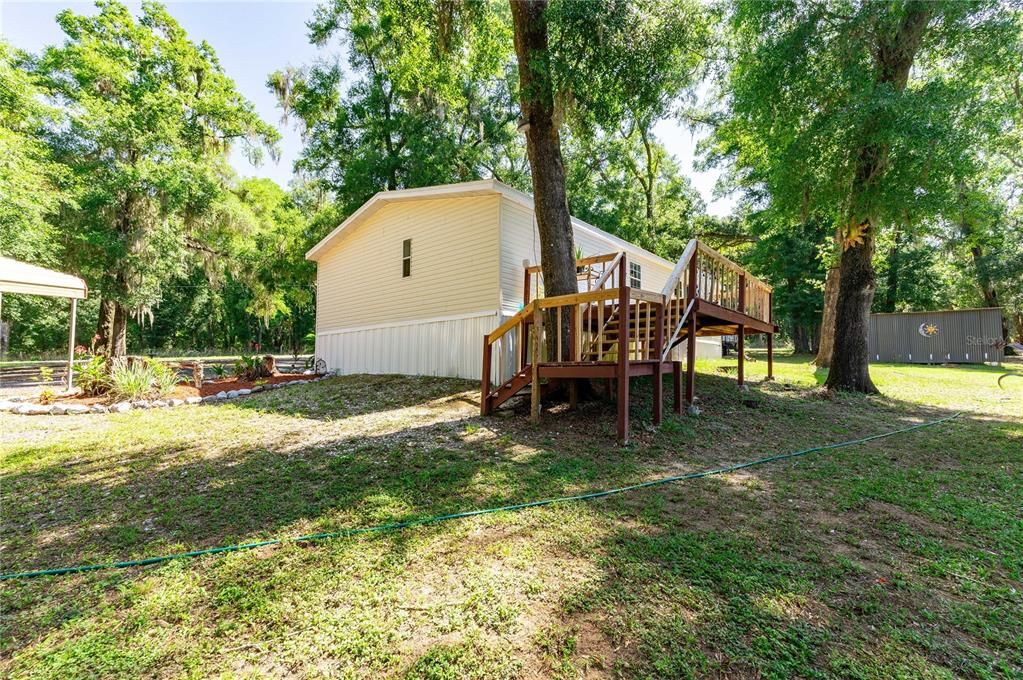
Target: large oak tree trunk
{"type": "Point", "coordinates": [543, 146]}
{"type": "Point", "coordinates": [112, 329]}
{"type": "Point", "coordinates": [849, 362]}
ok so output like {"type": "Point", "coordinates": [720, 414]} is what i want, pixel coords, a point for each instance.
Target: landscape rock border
{"type": "Point", "coordinates": [21, 406]}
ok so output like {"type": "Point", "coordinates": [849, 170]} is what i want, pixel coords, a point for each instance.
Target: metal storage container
{"type": "Point", "coordinates": [960, 336]}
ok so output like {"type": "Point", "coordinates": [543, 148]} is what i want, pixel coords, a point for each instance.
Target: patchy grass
{"type": "Point", "coordinates": [899, 558]}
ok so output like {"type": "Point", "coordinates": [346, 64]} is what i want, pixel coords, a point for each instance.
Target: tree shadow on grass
{"type": "Point", "coordinates": [355, 395]}
{"type": "Point", "coordinates": [102, 503]}
{"type": "Point", "coordinates": [343, 464]}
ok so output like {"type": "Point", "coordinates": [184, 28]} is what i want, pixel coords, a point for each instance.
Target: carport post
{"type": "Point", "coordinates": [71, 344]}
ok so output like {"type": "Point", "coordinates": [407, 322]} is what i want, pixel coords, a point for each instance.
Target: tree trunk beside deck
{"type": "Point", "coordinates": [543, 146]}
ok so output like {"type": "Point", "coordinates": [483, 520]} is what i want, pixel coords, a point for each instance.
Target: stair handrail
{"type": "Point", "coordinates": [608, 271]}
{"type": "Point", "coordinates": [671, 286]}
{"type": "Point", "coordinates": [511, 322]}
{"type": "Point", "coordinates": [680, 267]}
{"type": "Point", "coordinates": [516, 320]}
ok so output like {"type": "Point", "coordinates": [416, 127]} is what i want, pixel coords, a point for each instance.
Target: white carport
{"type": "Point", "coordinates": [21, 277]}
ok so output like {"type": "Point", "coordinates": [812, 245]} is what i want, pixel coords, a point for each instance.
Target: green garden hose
{"type": "Point", "coordinates": [394, 526]}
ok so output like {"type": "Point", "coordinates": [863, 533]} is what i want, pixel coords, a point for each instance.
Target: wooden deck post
{"type": "Point", "coordinates": [658, 376]}
{"type": "Point", "coordinates": [741, 345]}
{"type": "Point", "coordinates": [691, 338]}
{"type": "Point", "coordinates": [623, 354]}
{"type": "Point", "coordinates": [691, 360]}
{"type": "Point", "coordinates": [534, 403]}
{"type": "Point", "coordinates": [524, 336]}
{"type": "Point", "coordinates": [71, 345]}
{"type": "Point", "coordinates": [485, 396]}
{"type": "Point", "coordinates": [676, 384]}
{"type": "Point", "coordinates": [742, 353]}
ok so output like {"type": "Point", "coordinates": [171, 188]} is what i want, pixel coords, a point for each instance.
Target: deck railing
{"type": "Point", "coordinates": [724, 283]}
{"type": "Point", "coordinates": [607, 320]}
{"type": "Point", "coordinates": [591, 273]}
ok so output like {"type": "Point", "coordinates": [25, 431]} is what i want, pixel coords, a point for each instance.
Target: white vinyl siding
{"type": "Point", "coordinates": [520, 241]}
{"type": "Point", "coordinates": [454, 253]}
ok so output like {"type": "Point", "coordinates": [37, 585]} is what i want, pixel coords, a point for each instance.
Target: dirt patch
{"type": "Point", "coordinates": [209, 387]}
{"type": "Point", "coordinates": [184, 390]}
{"type": "Point", "coordinates": [916, 522]}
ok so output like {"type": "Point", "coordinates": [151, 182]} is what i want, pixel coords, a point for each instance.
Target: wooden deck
{"type": "Point", "coordinates": [614, 332]}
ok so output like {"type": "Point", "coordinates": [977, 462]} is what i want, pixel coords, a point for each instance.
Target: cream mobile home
{"type": "Point", "coordinates": [414, 279]}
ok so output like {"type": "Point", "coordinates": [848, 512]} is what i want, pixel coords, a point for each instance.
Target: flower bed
{"type": "Point", "coordinates": [184, 393]}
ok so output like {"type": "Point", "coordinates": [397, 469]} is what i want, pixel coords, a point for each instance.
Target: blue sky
{"type": "Point", "coordinates": [253, 39]}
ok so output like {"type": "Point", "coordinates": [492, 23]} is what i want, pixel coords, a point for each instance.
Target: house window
{"type": "Point", "coordinates": [406, 258]}
{"type": "Point", "coordinates": [635, 275]}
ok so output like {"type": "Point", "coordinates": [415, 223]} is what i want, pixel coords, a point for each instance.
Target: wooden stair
{"type": "Point", "coordinates": [641, 328]}
{"type": "Point", "coordinates": [509, 388]}
{"type": "Point", "coordinates": [516, 384]}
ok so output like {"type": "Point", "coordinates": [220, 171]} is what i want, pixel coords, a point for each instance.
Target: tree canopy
{"type": "Point", "coordinates": [871, 115]}
{"type": "Point", "coordinates": [148, 119]}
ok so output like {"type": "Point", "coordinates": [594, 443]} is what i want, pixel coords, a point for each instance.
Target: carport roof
{"type": "Point", "coordinates": [21, 277]}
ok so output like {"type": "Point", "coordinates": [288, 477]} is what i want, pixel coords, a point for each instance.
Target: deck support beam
{"type": "Point", "coordinates": [742, 354]}
{"type": "Point", "coordinates": [71, 345]}
{"type": "Point", "coordinates": [742, 330]}
{"type": "Point", "coordinates": [770, 336]}
{"type": "Point", "coordinates": [485, 392]}
{"type": "Point", "coordinates": [691, 361]}
{"type": "Point", "coordinates": [676, 385]}
{"type": "Point", "coordinates": [692, 295]}
{"type": "Point", "coordinates": [623, 354]}
{"type": "Point", "coordinates": [534, 401]}
{"type": "Point", "coordinates": [658, 377]}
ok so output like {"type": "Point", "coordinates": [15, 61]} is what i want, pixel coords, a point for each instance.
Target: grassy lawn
{"type": "Point", "coordinates": [898, 558]}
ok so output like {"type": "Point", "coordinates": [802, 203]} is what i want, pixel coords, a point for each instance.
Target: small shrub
{"type": "Point", "coordinates": [131, 381]}
{"type": "Point", "coordinates": [93, 377]}
{"type": "Point", "coordinates": [218, 370]}
{"type": "Point", "coordinates": [164, 377]}
{"type": "Point", "coordinates": [142, 380]}
{"type": "Point", "coordinates": [47, 396]}
{"type": "Point", "coordinates": [45, 374]}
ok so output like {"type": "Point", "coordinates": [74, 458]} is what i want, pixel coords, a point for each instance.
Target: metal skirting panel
{"type": "Point", "coordinates": [967, 336]}
{"type": "Point", "coordinates": [439, 347]}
